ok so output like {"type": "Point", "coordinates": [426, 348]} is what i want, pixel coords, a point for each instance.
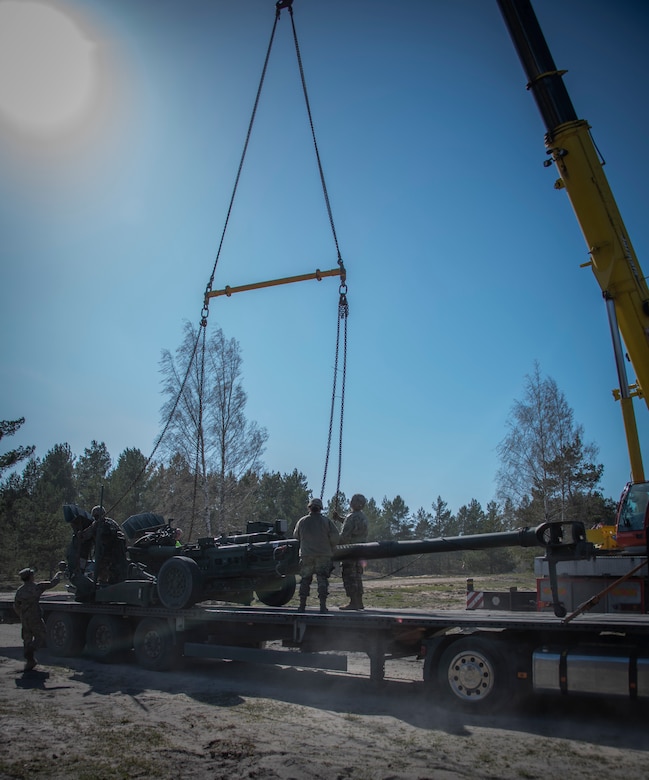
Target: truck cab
{"type": "Point", "coordinates": [633, 518]}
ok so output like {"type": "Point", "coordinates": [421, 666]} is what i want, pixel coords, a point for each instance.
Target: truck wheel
{"type": "Point", "coordinates": [65, 634]}
{"type": "Point", "coordinates": [471, 675]}
{"type": "Point", "coordinates": [108, 638]}
{"type": "Point", "coordinates": [179, 583]}
{"type": "Point", "coordinates": [277, 594]}
{"type": "Point", "coordinates": [155, 648]}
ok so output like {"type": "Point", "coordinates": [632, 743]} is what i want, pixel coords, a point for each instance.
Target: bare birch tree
{"type": "Point", "coordinates": [208, 425]}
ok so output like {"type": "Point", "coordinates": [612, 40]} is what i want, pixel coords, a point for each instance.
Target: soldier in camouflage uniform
{"type": "Point", "coordinates": [354, 531]}
{"type": "Point", "coordinates": [318, 536]}
{"type": "Point", "coordinates": [28, 610]}
{"type": "Point", "coordinates": [111, 563]}
{"type": "Point", "coordinates": [97, 536]}
{"type": "Point", "coordinates": [110, 548]}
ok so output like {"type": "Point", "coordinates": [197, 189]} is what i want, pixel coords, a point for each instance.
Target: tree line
{"type": "Point", "coordinates": [208, 477]}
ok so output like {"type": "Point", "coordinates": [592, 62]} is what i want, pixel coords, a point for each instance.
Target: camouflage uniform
{"type": "Point", "coordinates": [318, 536]}
{"type": "Point", "coordinates": [28, 610]}
{"type": "Point", "coordinates": [354, 531]}
{"type": "Point", "coordinates": [110, 553]}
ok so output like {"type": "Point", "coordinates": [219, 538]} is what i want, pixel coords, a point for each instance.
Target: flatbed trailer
{"type": "Point", "coordinates": [475, 660]}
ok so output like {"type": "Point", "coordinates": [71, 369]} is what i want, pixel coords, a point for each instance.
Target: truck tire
{"type": "Point", "coordinates": [277, 594]}
{"type": "Point", "coordinates": [65, 634]}
{"type": "Point", "coordinates": [155, 646]}
{"type": "Point", "coordinates": [472, 676]}
{"type": "Point", "coordinates": [108, 638]}
{"type": "Point", "coordinates": [179, 583]}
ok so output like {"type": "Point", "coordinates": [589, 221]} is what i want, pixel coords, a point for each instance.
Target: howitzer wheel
{"type": "Point", "coordinates": [155, 645]}
{"type": "Point", "coordinates": [65, 634]}
{"type": "Point", "coordinates": [108, 638]}
{"type": "Point", "coordinates": [276, 594]}
{"type": "Point", "coordinates": [179, 583]}
{"type": "Point", "coordinates": [471, 675]}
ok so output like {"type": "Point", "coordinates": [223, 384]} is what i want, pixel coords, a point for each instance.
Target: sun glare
{"type": "Point", "coordinates": [48, 73]}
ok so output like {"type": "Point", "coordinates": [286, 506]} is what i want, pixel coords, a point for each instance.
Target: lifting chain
{"type": "Point", "coordinates": [343, 314]}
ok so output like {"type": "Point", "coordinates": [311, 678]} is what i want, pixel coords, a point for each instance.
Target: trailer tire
{"type": "Point", "coordinates": [472, 675]}
{"type": "Point", "coordinates": [179, 582]}
{"type": "Point", "coordinates": [65, 634]}
{"type": "Point", "coordinates": [155, 646]}
{"type": "Point", "coordinates": [278, 596]}
{"type": "Point", "coordinates": [108, 638]}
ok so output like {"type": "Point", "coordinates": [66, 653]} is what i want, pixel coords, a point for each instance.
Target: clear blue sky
{"type": "Point", "coordinates": [118, 154]}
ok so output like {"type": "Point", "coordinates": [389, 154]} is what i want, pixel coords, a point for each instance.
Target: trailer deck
{"type": "Point", "coordinates": [472, 658]}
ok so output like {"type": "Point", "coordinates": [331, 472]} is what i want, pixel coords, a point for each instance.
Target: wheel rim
{"type": "Point", "coordinates": [152, 644]}
{"type": "Point", "coordinates": [471, 676]}
{"type": "Point", "coordinates": [178, 583]}
{"type": "Point", "coordinates": [104, 638]}
{"type": "Point", "coordinates": [59, 635]}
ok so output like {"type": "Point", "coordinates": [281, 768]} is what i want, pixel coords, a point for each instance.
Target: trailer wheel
{"type": "Point", "coordinates": [278, 596]}
{"type": "Point", "coordinates": [65, 634]}
{"type": "Point", "coordinates": [155, 648]}
{"type": "Point", "coordinates": [179, 582]}
{"type": "Point", "coordinates": [471, 675]}
{"type": "Point", "coordinates": [108, 638]}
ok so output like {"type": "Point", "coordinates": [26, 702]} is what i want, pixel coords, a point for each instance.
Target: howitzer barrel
{"type": "Point", "coordinates": [552, 536]}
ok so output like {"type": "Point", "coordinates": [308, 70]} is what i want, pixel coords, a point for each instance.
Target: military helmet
{"type": "Point", "coordinates": [97, 512]}
{"type": "Point", "coordinates": [315, 503]}
{"type": "Point", "coordinates": [25, 574]}
{"type": "Point", "coordinates": [357, 501]}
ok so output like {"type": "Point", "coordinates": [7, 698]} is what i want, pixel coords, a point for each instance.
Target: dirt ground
{"type": "Point", "coordinates": [75, 718]}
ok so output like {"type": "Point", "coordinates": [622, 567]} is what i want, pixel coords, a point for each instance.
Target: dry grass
{"type": "Point", "coordinates": [426, 592]}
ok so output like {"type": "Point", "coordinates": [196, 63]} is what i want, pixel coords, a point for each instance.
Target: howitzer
{"type": "Point", "coordinates": [265, 561]}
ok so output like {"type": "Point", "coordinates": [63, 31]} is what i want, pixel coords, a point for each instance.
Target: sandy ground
{"type": "Point", "coordinates": [75, 718]}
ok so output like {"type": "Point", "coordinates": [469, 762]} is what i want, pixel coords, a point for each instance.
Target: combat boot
{"type": "Point", "coordinates": [302, 607]}
{"type": "Point", "coordinates": [355, 602]}
{"type": "Point", "coordinates": [323, 604]}
{"type": "Point", "coordinates": [30, 661]}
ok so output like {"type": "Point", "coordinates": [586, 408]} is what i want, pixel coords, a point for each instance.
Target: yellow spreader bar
{"type": "Point", "coordinates": [319, 275]}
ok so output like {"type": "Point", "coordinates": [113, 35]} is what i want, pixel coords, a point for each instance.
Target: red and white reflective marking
{"type": "Point", "coordinates": [475, 599]}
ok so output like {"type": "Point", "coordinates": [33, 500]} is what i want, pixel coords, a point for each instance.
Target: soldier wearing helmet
{"type": "Point", "coordinates": [102, 537]}
{"type": "Point", "coordinates": [318, 536]}
{"type": "Point", "coordinates": [28, 610]}
{"type": "Point", "coordinates": [354, 531]}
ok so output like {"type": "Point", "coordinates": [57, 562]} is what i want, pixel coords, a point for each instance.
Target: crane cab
{"type": "Point", "coordinates": [633, 518]}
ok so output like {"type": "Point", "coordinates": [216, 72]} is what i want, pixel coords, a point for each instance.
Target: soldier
{"type": "Point", "coordinates": [111, 561]}
{"type": "Point", "coordinates": [318, 536]}
{"type": "Point", "coordinates": [354, 531]}
{"type": "Point", "coordinates": [28, 610]}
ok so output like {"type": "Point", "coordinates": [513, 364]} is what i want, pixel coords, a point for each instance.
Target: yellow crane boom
{"type": "Point", "coordinates": [612, 258]}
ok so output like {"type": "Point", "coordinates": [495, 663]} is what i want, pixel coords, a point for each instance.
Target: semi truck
{"type": "Point", "coordinates": [471, 660]}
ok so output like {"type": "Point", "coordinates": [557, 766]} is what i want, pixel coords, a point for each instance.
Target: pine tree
{"type": "Point", "coordinates": [11, 458]}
